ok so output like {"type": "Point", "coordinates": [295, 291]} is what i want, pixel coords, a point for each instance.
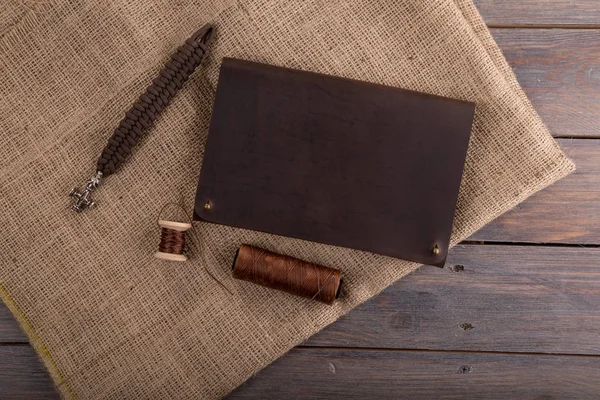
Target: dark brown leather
{"type": "Point", "coordinates": [334, 160]}
{"type": "Point", "coordinates": [287, 274]}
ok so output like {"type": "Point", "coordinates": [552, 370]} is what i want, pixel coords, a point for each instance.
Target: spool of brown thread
{"type": "Point", "coordinates": [172, 240]}
{"type": "Point", "coordinates": [287, 274]}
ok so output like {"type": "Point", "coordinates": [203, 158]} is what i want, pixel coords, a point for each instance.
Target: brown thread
{"type": "Point", "coordinates": [288, 274]}
{"type": "Point", "coordinates": [172, 241]}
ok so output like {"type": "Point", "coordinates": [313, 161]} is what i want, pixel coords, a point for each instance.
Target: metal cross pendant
{"type": "Point", "coordinates": [82, 199]}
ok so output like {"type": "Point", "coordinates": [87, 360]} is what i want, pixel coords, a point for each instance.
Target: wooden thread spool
{"type": "Point", "coordinates": [172, 240]}
{"type": "Point", "coordinates": [287, 274]}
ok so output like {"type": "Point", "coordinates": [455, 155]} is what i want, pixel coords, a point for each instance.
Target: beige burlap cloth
{"type": "Point", "coordinates": [110, 321]}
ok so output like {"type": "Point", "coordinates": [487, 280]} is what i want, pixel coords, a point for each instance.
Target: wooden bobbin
{"type": "Point", "coordinates": [176, 226]}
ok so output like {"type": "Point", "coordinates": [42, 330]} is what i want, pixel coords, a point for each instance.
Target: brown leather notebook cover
{"type": "Point", "coordinates": [334, 160]}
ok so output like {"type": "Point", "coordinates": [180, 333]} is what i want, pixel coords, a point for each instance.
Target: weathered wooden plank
{"type": "Point", "coordinates": [566, 212]}
{"type": "Point", "coordinates": [558, 69]}
{"type": "Point", "coordinates": [506, 299]}
{"type": "Point", "coordinates": [22, 375]}
{"type": "Point", "coordinates": [311, 373]}
{"type": "Point", "coordinates": [9, 328]}
{"type": "Point", "coordinates": [539, 12]}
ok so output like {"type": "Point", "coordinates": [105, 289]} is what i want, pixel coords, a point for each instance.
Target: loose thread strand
{"type": "Point", "coordinates": [173, 241]}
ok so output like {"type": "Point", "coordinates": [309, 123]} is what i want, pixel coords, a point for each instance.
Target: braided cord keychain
{"type": "Point", "coordinates": [145, 110]}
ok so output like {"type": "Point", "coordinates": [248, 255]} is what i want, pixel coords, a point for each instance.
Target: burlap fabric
{"type": "Point", "coordinates": [110, 321]}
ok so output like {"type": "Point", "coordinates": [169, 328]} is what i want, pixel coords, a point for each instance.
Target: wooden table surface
{"type": "Point", "coordinates": [516, 312]}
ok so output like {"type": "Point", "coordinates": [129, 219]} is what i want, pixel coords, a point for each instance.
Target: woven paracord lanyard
{"type": "Point", "coordinates": [141, 115]}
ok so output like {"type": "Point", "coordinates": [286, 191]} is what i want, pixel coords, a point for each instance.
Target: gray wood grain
{"type": "Point", "coordinates": [539, 12]}
{"type": "Point", "coordinates": [9, 328]}
{"type": "Point", "coordinates": [559, 71]}
{"type": "Point", "coordinates": [22, 375]}
{"type": "Point", "coordinates": [502, 298]}
{"type": "Point", "coordinates": [335, 373]}
{"type": "Point", "coordinates": [566, 212]}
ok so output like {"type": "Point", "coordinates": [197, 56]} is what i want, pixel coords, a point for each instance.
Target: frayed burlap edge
{"type": "Point", "coordinates": [60, 383]}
